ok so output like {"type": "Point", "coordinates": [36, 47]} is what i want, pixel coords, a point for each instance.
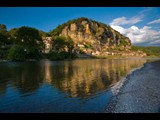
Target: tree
{"type": "Point", "coordinates": [62, 47]}
{"type": "Point", "coordinates": [5, 41]}
{"type": "Point", "coordinates": [12, 32]}
{"type": "Point", "coordinates": [16, 53]}
{"type": "Point", "coordinates": [30, 39]}
{"type": "Point", "coordinates": [59, 43]}
{"type": "Point", "coordinates": [70, 44]}
{"type": "Point", "coordinates": [42, 33]}
{"type": "Point", "coordinates": [3, 29]}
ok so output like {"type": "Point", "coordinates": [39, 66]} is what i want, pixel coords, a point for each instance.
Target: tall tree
{"type": "Point", "coordinates": [3, 28]}
{"type": "Point", "coordinates": [59, 43]}
{"type": "Point", "coordinates": [30, 39]}
{"type": "Point", "coordinates": [5, 41]}
{"type": "Point", "coordinates": [70, 44]}
{"type": "Point", "coordinates": [12, 32]}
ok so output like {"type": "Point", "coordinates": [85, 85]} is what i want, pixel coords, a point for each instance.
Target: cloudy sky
{"type": "Point", "coordinates": [140, 24]}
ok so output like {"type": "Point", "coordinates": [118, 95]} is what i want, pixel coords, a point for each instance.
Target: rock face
{"type": "Point", "coordinates": [92, 37]}
{"type": "Point", "coordinates": [48, 44]}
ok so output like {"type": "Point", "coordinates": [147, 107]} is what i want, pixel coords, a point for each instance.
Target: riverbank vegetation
{"type": "Point", "coordinates": [25, 43]}
{"type": "Point", "coordinates": [62, 48]}
{"type": "Point", "coordinates": [151, 51]}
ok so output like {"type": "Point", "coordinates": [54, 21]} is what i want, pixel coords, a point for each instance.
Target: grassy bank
{"type": "Point", "coordinates": [120, 57]}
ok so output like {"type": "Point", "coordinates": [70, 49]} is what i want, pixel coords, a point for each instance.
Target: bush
{"type": "Point", "coordinates": [57, 56]}
{"type": "Point", "coordinates": [2, 54]}
{"type": "Point", "coordinates": [33, 54]}
{"type": "Point", "coordinates": [60, 56]}
{"type": "Point", "coordinates": [16, 53]}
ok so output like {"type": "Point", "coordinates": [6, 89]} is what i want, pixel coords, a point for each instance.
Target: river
{"type": "Point", "coordinates": [81, 85]}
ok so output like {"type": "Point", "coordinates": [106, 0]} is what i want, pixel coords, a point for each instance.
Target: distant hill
{"type": "Point", "coordinates": [94, 37]}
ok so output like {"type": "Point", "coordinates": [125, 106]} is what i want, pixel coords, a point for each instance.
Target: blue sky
{"type": "Point", "coordinates": [140, 24]}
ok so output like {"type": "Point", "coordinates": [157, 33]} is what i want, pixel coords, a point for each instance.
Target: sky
{"type": "Point", "coordinates": [140, 24]}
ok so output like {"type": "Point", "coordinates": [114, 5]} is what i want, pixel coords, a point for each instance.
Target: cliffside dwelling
{"type": "Point", "coordinates": [81, 47]}
{"type": "Point", "coordinates": [48, 44]}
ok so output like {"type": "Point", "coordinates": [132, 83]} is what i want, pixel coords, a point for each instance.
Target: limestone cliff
{"type": "Point", "coordinates": [93, 37]}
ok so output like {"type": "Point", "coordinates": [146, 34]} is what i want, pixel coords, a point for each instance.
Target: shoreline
{"type": "Point", "coordinates": [139, 91]}
{"type": "Point", "coordinates": [115, 57]}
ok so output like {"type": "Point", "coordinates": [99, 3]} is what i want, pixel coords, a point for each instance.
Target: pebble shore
{"type": "Point", "coordinates": [140, 92]}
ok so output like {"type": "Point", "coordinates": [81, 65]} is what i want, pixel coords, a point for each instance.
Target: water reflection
{"type": "Point", "coordinates": [26, 77]}
{"type": "Point", "coordinates": [78, 78]}
{"type": "Point", "coordinates": [83, 78]}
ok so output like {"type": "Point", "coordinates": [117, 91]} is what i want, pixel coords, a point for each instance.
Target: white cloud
{"type": "Point", "coordinates": [154, 21]}
{"type": "Point", "coordinates": [133, 20]}
{"type": "Point", "coordinates": [140, 35]}
{"type": "Point", "coordinates": [125, 21]}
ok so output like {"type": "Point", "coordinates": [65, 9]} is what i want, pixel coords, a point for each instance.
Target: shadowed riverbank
{"type": "Point", "coordinates": [140, 92]}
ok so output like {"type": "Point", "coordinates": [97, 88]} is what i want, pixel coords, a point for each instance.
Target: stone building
{"type": "Point", "coordinates": [48, 44]}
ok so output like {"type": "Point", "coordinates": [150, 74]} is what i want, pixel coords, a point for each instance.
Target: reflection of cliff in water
{"type": "Point", "coordinates": [82, 78]}
{"type": "Point", "coordinates": [78, 78]}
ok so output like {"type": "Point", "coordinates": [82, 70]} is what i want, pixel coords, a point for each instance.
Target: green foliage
{"type": "Point", "coordinates": [16, 53]}
{"type": "Point", "coordinates": [42, 33]}
{"type": "Point", "coordinates": [12, 32]}
{"type": "Point", "coordinates": [3, 29]}
{"type": "Point", "coordinates": [28, 36]}
{"type": "Point", "coordinates": [24, 38]}
{"type": "Point", "coordinates": [3, 54]}
{"type": "Point", "coordinates": [4, 36]}
{"type": "Point", "coordinates": [69, 44]}
{"type": "Point", "coordinates": [30, 39]}
{"type": "Point", "coordinates": [5, 41]}
{"type": "Point", "coordinates": [32, 53]}
{"type": "Point", "coordinates": [102, 25]}
{"type": "Point", "coordinates": [59, 28]}
{"type": "Point", "coordinates": [54, 56]}
{"type": "Point", "coordinates": [60, 56]}
{"type": "Point", "coordinates": [88, 46]}
{"type": "Point", "coordinates": [123, 42]}
{"type": "Point", "coordinates": [59, 43]}
{"type": "Point", "coordinates": [150, 51]}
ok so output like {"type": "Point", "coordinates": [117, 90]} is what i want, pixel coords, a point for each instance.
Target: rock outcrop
{"type": "Point", "coordinates": [92, 37]}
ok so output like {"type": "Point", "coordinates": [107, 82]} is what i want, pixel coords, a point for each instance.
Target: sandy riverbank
{"type": "Point", "coordinates": [140, 92]}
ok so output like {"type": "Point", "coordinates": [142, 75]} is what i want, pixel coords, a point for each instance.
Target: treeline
{"type": "Point", "coordinates": [149, 50]}
{"type": "Point", "coordinates": [20, 43]}
{"type": "Point", "coordinates": [62, 48]}
{"type": "Point", "coordinates": [24, 43]}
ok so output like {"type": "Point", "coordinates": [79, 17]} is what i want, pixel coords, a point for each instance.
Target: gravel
{"type": "Point", "coordinates": [140, 93]}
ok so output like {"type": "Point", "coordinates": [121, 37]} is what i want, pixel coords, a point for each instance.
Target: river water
{"type": "Point", "coordinates": [81, 85]}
